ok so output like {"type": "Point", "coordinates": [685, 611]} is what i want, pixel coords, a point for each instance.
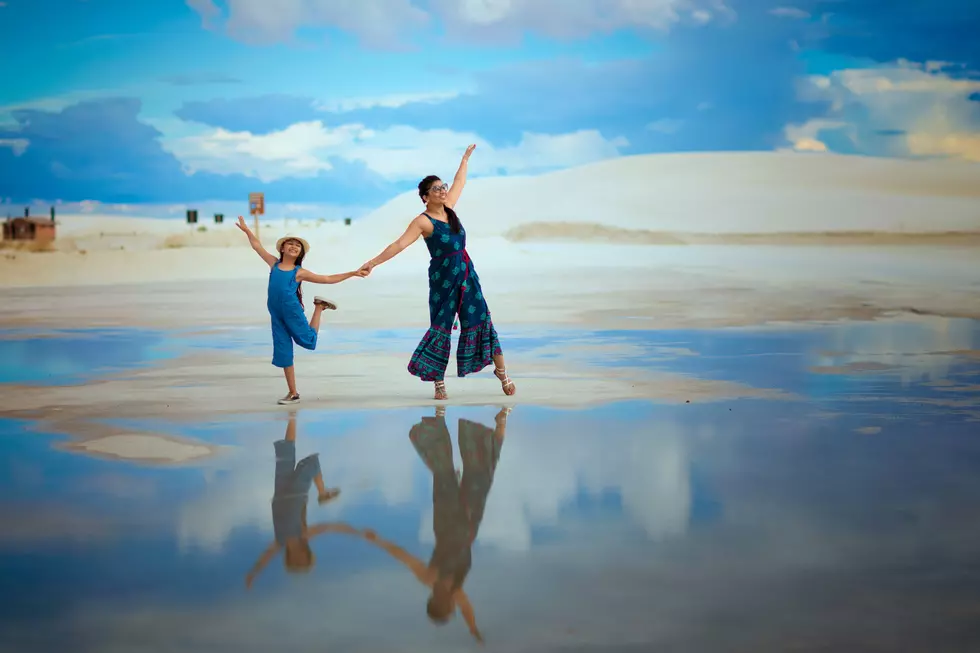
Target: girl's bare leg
{"type": "Point", "coordinates": [500, 370]}
{"type": "Point", "coordinates": [290, 373]}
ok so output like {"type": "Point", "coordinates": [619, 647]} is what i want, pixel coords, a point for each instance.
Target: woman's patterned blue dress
{"type": "Point", "coordinates": [454, 289]}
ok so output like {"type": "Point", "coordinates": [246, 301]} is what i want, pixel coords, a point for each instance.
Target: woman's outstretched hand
{"type": "Point", "coordinates": [241, 225]}
{"type": "Point", "coordinates": [469, 151]}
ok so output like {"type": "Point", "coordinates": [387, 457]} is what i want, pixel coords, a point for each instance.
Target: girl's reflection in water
{"type": "Point", "coordinates": [293, 483]}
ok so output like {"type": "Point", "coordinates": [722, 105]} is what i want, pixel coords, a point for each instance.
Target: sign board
{"type": "Point", "coordinates": [191, 216]}
{"type": "Point", "coordinates": [256, 203]}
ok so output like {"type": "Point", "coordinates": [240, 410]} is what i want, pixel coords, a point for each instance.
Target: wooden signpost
{"type": "Point", "coordinates": [256, 206]}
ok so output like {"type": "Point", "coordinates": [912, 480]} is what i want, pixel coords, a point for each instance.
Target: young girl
{"type": "Point", "coordinates": [285, 302]}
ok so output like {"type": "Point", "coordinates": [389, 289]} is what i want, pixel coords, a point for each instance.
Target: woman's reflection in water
{"type": "Point", "coordinates": [458, 502]}
{"type": "Point", "coordinates": [292, 488]}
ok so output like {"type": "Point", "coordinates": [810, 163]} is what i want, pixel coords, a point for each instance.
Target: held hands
{"type": "Point", "coordinates": [365, 269]}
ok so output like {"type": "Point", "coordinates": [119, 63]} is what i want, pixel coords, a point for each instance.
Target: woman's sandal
{"type": "Point", "coordinates": [441, 391]}
{"type": "Point", "coordinates": [505, 382]}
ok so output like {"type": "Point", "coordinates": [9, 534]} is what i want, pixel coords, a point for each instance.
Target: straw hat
{"type": "Point", "coordinates": [306, 245]}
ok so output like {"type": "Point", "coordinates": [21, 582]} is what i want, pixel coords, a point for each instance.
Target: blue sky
{"type": "Point", "coordinates": [349, 103]}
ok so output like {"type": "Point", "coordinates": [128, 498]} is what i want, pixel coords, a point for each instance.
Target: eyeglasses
{"type": "Point", "coordinates": [436, 189]}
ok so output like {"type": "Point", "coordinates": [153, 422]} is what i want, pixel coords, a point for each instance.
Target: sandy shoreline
{"type": "Point", "coordinates": [584, 232]}
{"type": "Point", "coordinates": [213, 386]}
{"type": "Point", "coordinates": [587, 286]}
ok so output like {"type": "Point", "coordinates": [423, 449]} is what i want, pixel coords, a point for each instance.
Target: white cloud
{"type": "Point", "coordinates": [400, 152]}
{"type": "Point", "coordinates": [18, 145]}
{"type": "Point", "coordinates": [392, 101]}
{"type": "Point", "coordinates": [377, 22]}
{"type": "Point", "coordinates": [789, 12]}
{"type": "Point", "coordinates": [806, 137]}
{"type": "Point", "coordinates": [381, 23]}
{"type": "Point", "coordinates": [207, 9]}
{"type": "Point", "coordinates": [300, 150]}
{"type": "Point", "coordinates": [912, 347]}
{"type": "Point", "coordinates": [561, 18]}
{"type": "Point", "coordinates": [89, 206]}
{"type": "Point", "coordinates": [665, 125]}
{"type": "Point", "coordinates": [898, 110]}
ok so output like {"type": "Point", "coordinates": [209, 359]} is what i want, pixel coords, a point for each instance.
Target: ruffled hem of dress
{"type": "Point", "coordinates": [477, 347]}
{"type": "Point", "coordinates": [431, 357]}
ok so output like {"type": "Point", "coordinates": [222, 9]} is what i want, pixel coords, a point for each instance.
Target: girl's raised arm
{"type": "Point", "coordinates": [256, 244]}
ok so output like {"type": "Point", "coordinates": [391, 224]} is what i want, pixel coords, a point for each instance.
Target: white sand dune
{"type": "Point", "coordinates": [720, 193]}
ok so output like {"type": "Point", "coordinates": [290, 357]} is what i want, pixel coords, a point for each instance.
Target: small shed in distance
{"type": "Point", "coordinates": [26, 228]}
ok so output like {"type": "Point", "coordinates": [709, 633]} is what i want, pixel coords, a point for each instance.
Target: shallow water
{"type": "Point", "coordinates": [843, 520]}
{"type": "Point", "coordinates": [929, 349]}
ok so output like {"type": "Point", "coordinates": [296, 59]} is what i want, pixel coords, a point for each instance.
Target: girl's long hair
{"type": "Point", "coordinates": [424, 187]}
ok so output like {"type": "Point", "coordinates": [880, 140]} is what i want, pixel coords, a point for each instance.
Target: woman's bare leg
{"type": "Point", "coordinates": [500, 370]}
{"type": "Point", "coordinates": [440, 394]}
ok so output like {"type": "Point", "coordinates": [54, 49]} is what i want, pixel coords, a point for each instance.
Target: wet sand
{"type": "Point", "coordinates": [588, 285]}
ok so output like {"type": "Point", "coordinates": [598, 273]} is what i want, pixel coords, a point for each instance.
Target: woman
{"type": "Point", "coordinates": [454, 289]}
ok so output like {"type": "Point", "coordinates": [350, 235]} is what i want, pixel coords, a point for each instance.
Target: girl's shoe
{"type": "Point", "coordinates": [289, 399]}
